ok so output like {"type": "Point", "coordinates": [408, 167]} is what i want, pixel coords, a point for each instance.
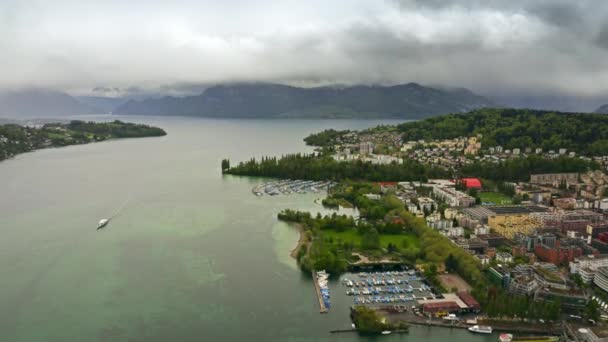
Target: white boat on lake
{"type": "Point", "coordinates": [481, 329]}
{"type": "Point", "coordinates": [102, 223]}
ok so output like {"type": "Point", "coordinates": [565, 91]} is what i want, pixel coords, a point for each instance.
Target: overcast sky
{"type": "Point", "coordinates": [485, 45]}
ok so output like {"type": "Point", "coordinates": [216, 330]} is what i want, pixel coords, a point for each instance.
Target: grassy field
{"type": "Point", "coordinates": [352, 236]}
{"type": "Point", "coordinates": [494, 197]}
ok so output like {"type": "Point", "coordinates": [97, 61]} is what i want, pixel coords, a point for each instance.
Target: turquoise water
{"type": "Point", "coordinates": [189, 256]}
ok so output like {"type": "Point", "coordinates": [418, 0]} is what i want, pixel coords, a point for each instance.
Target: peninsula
{"type": "Point", "coordinates": [16, 139]}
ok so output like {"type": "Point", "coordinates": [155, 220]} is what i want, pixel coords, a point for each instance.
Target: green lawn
{"type": "Point", "coordinates": [495, 197]}
{"type": "Point", "coordinates": [352, 236]}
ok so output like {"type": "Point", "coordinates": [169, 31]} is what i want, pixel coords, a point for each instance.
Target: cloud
{"type": "Point", "coordinates": [182, 46]}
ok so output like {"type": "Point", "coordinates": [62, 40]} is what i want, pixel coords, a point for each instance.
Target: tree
{"type": "Point", "coordinates": [592, 310]}
{"type": "Point", "coordinates": [225, 165]}
{"type": "Point", "coordinates": [451, 264]}
{"type": "Point", "coordinates": [371, 239]}
{"type": "Point", "coordinates": [367, 320]}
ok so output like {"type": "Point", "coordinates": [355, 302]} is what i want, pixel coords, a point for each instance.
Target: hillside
{"type": "Point", "coordinates": [279, 101]}
{"type": "Point", "coordinates": [602, 110]}
{"type": "Point", "coordinates": [41, 103]}
{"type": "Point", "coordinates": [518, 128]}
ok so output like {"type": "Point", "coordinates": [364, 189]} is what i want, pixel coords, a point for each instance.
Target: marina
{"type": "Point", "coordinates": [392, 287]}
{"type": "Point", "coordinates": [288, 187]}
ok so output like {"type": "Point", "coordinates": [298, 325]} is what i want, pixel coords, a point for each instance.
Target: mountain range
{"type": "Point", "coordinates": [261, 100]}
{"type": "Point", "coordinates": [41, 103]}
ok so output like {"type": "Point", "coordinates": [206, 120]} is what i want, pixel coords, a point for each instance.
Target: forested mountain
{"type": "Point", "coordinates": [280, 101]}
{"type": "Point", "coordinates": [518, 128]}
{"type": "Point", "coordinates": [41, 103]}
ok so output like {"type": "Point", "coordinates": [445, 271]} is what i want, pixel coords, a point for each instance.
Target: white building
{"type": "Point", "coordinates": [366, 147]}
{"type": "Point", "coordinates": [482, 230]}
{"type": "Point", "coordinates": [454, 232]}
{"type": "Point", "coordinates": [587, 266]}
{"type": "Point", "coordinates": [503, 257]}
{"type": "Point", "coordinates": [426, 203]}
{"type": "Point", "coordinates": [601, 278]}
{"type": "Point", "coordinates": [450, 213]}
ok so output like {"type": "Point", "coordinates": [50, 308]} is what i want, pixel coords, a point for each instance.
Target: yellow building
{"type": "Point", "coordinates": [507, 221]}
{"type": "Point", "coordinates": [508, 225]}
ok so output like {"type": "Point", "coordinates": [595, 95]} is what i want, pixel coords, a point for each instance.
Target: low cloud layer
{"type": "Point", "coordinates": [492, 47]}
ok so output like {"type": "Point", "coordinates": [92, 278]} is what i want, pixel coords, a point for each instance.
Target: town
{"type": "Point", "coordinates": [385, 147]}
{"type": "Point", "coordinates": [459, 221]}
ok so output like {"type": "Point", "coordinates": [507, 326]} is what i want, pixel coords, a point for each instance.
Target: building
{"type": "Point", "coordinates": [445, 306]}
{"type": "Point", "coordinates": [568, 299]}
{"type": "Point", "coordinates": [549, 278]}
{"type": "Point", "coordinates": [494, 240]}
{"type": "Point", "coordinates": [503, 257]}
{"type": "Point", "coordinates": [559, 254]}
{"type": "Point", "coordinates": [601, 278]}
{"type": "Point", "coordinates": [427, 204]}
{"type": "Point", "coordinates": [508, 221]}
{"type": "Point", "coordinates": [449, 303]}
{"type": "Point", "coordinates": [500, 275]}
{"type": "Point", "coordinates": [595, 229]}
{"type": "Point", "coordinates": [471, 183]}
{"type": "Point", "coordinates": [523, 285]}
{"type": "Point", "coordinates": [483, 259]}
{"type": "Point", "coordinates": [454, 232]}
{"type": "Point", "coordinates": [366, 147]}
{"type": "Point", "coordinates": [450, 213]}
{"type": "Point", "coordinates": [481, 230]}
{"type": "Point", "coordinates": [453, 197]}
{"type": "Point", "coordinates": [551, 178]}
{"type": "Point", "coordinates": [471, 303]}
{"type": "Point", "coordinates": [587, 266]}
{"type": "Point", "coordinates": [575, 220]}
{"type": "Point", "coordinates": [477, 214]}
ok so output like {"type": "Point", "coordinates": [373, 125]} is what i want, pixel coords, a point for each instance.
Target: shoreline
{"type": "Point", "coordinates": [301, 239]}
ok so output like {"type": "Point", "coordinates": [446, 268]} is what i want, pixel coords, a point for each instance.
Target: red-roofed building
{"type": "Point", "coordinates": [441, 306]}
{"type": "Point", "coordinates": [470, 301]}
{"type": "Point", "coordinates": [471, 183]}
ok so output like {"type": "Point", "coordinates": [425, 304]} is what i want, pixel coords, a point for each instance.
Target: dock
{"type": "Point", "coordinates": [322, 308]}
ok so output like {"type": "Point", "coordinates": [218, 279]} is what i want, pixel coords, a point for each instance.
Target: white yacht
{"type": "Point", "coordinates": [102, 223]}
{"type": "Point", "coordinates": [481, 329]}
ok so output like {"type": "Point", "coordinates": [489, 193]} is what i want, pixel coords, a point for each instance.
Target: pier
{"type": "Point", "coordinates": [322, 307]}
{"type": "Point", "coordinates": [511, 327]}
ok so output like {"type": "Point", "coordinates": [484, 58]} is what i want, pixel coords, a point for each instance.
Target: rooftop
{"type": "Point", "coordinates": [514, 209]}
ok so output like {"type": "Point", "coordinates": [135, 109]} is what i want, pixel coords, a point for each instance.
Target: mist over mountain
{"type": "Point", "coordinates": [281, 101]}
{"type": "Point", "coordinates": [101, 103]}
{"type": "Point", "coordinates": [41, 103]}
{"type": "Point", "coordinates": [602, 109]}
{"type": "Point", "coordinates": [559, 102]}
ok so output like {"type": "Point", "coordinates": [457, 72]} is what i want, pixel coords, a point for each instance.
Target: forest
{"type": "Point", "coordinates": [322, 167]}
{"type": "Point", "coordinates": [316, 167]}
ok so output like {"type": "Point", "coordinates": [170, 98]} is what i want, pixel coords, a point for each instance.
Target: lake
{"type": "Point", "coordinates": [189, 255]}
